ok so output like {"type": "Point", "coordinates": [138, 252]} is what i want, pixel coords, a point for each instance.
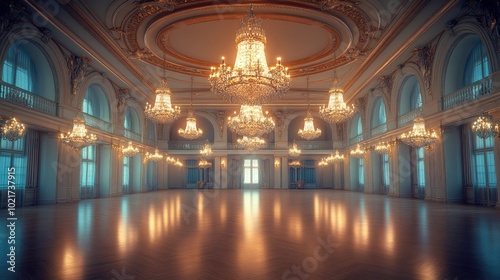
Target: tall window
{"type": "Point", "coordinates": [379, 117]}
{"type": "Point", "coordinates": [484, 163]}
{"type": "Point", "coordinates": [415, 97]}
{"type": "Point", "coordinates": [88, 167]}
{"type": "Point", "coordinates": [19, 69]}
{"type": "Point", "coordinates": [308, 171]}
{"type": "Point", "coordinates": [192, 171]}
{"type": "Point", "coordinates": [126, 173]}
{"type": "Point", "coordinates": [361, 172]}
{"type": "Point", "coordinates": [420, 167]}
{"type": "Point", "coordinates": [385, 169]}
{"type": "Point", "coordinates": [12, 155]}
{"type": "Point", "coordinates": [152, 175]}
{"type": "Point", "coordinates": [476, 66]}
{"type": "Point", "coordinates": [251, 171]}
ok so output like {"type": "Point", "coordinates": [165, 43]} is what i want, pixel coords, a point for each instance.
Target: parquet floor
{"type": "Point", "coordinates": [252, 234]}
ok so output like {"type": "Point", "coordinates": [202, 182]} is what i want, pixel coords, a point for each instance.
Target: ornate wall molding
{"type": "Point", "coordinates": [424, 59]}
{"type": "Point", "coordinates": [220, 117]}
{"type": "Point", "coordinates": [78, 68]}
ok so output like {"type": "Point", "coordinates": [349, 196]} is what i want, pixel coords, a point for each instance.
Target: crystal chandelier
{"type": "Point", "coordinates": [162, 111]}
{"type": "Point", "coordinates": [294, 163]}
{"type": "Point", "coordinates": [204, 163]}
{"type": "Point", "coordinates": [153, 157]}
{"type": "Point", "coordinates": [251, 122]}
{"type": "Point", "coordinates": [337, 111]}
{"type": "Point", "coordinates": [251, 143]}
{"type": "Point", "coordinates": [206, 151]}
{"type": "Point", "coordinates": [294, 150]}
{"type": "Point", "coordinates": [12, 130]}
{"type": "Point", "coordinates": [78, 138]}
{"type": "Point", "coordinates": [309, 132]}
{"type": "Point", "coordinates": [335, 158]}
{"type": "Point", "coordinates": [323, 162]}
{"type": "Point", "coordinates": [484, 126]}
{"type": "Point", "coordinates": [191, 132]}
{"type": "Point", "coordinates": [419, 137]}
{"type": "Point", "coordinates": [174, 161]}
{"type": "Point", "coordinates": [251, 81]}
{"type": "Point", "coordinates": [130, 150]}
{"type": "Point", "coordinates": [358, 152]}
{"type": "Point", "coordinates": [382, 148]}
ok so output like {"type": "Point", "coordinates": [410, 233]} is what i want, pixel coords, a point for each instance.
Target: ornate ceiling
{"type": "Point", "coordinates": [187, 37]}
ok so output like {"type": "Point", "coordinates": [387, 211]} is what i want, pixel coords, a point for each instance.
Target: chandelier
{"type": "Point", "coordinates": [251, 81]}
{"type": "Point", "coordinates": [206, 151]}
{"type": "Point", "coordinates": [335, 158]}
{"type": "Point", "coordinates": [419, 137]}
{"type": "Point", "coordinates": [13, 130]}
{"type": "Point", "coordinates": [174, 161]}
{"type": "Point", "coordinates": [294, 150]}
{"type": "Point", "coordinates": [484, 126]}
{"type": "Point", "coordinates": [78, 138]}
{"type": "Point", "coordinates": [337, 111]}
{"type": "Point", "coordinates": [294, 163]}
{"type": "Point", "coordinates": [382, 148]}
{"type": "Point", "coordinates": [153, 157]}
{"type": "Point", "coordinates": [162, 111]}
{"type": "Point", "coordinates": [130, 150]}
{"type": "Point", "coordinates": [309, 132]}
{"type": "Point", "coordinates": [251, 122]}
{"type": "Point", "coordinates": [323, 162]}
{"type": "Point", "coordinates": [191, 132]}
{"type": "Point", "coordinates": [358, 152]}
{"type": "Point", "coordinates": [204, 164]}
{"type": "Point", "coordinates": [251, 143]}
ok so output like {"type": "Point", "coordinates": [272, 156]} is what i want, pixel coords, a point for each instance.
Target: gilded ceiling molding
{"type": "Point", "coordinates": [220, 117]}
{"type": "Point", "coordinates": [78, 68]}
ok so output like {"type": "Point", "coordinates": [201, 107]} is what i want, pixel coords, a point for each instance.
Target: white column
{"type": "Point", "coordinates": [284, 172]}
{"type": "Point", "coordinates": [277, 172]}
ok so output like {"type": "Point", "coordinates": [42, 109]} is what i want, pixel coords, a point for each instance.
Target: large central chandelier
{"type": "Point", "coordinates": [191, 132]}
{"type": "Point", "coordinates": [78, 138]}
{"type": "Point", "coordinates": [251, 143]}
{"type": "Point", "coordinates": [162, 111]}
{"type": "Point", "coordinates": [484, 126]}
{"type": "Point", "coordinates": [309, 132]}
{"type": "Point", "coordinates": [419, 137]}
{"type": "Point", "coordinates": [337, 110]}
{"type": "Point", "coordinates": [12, 130]}
{"type": "Point", "coordinates": [251, 81]}
{"type": "Point", "coordinates": [251, 122]}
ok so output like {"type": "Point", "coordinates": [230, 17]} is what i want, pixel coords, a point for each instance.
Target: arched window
{"type": "Point", "coordinates": [415, 97]}
{"type": "Point", "coordinates": [132, 124]}
{"type": "Point", "coordinates": [476, 65]}
{"type": "Point", "coordinates": [19, 69]}
{"type": "Point", "coordinates": [95, 103]}
{"type": "Point", "coordinates": [356, 132]}
{"type": "Point", "coordinates": [378, 118]}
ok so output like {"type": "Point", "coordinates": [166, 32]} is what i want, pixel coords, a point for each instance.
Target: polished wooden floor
{"type": "Point", "coordinates": [252, 234]}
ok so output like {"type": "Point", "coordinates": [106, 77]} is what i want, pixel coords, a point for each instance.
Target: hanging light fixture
{"type": "Point", "coordinates": [382, 148]}
{"type": "Point", "coordinates": [309, 132]}
{"type": "Point", "coordinates": [323, 162]}
{"type": "Point", "coordinates": [203, 163]}
{"type": "Point", "coordinates": [294, 163]}
{"type": "Point", "coordinates": [484, 126]}
{"type": "Point", "coordinates": [251, 81]}
{"type": "Point", "coordinates": [419, 137]}
{"type": "Point", "coordinates": [335, 158]}
{"type": "Point", "coordinates": [130, 150]}
{"type": "Point", "coordinates": [294, 150]}
{"type": "Point", "coordinates": [13, 130]}
{"type": "Point", "coordinates": [206, 151]}
{"type": "Point", "coordinates": [251, 122]}
{"type": "Point", "coordinates": [337, 111]}
{"type": "Point", "coordinates": [251, 143]}
{"type": "Point", "coordinates": [191, 132]}
{"type": "Point", "coordinates": [162, 111]}
{"type": "Point", "coordinates": [358, 152]}
{"type": "Point", "coordinates": [78, 138]}
{"type": "Point", "coordinates": [153, 157]}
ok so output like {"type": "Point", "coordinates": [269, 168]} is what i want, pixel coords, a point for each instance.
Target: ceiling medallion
{"type": "Point", "coordinates": [251, 73]}
{"type": "Point", "coordinates": [251, 122]}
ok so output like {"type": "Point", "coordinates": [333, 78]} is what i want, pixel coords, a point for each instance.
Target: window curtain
{"type": "Point", "coordinates": [19, 69]}
{"type": "Point", "coordinates": [416, 97]}
{"type": "Point", "coordinates": [33, 158]}
{"type": "Point", "coordinates": [12, 154]}
{"type": "Point", "coordinates": [192, 171]}
{"type": "Point", "coordinates": [476, 66]}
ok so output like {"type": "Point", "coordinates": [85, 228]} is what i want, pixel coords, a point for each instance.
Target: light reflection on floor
{"type": "Point", "coordinates": [257, 234]}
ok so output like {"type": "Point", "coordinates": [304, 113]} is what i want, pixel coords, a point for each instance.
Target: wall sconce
{"type": "Point", "coordinates": [276, 163]}
{"type": "Point", "coordinates": [223, 163]}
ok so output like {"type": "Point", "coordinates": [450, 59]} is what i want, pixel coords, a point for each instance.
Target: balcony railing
{"type": "Point", "coordinates": [235, 146]}
{"type": "Point", "coordinates": [379, 129]}
{"type": "Point", "coordinates": [356, 139]}
{"type": "Point", "coordinates": [132, 135]}
{"type": "Point", "coordinates": [466, 94]}
{"type": "Point", "coordinates": [408, 117]}
{"type": "Point", "coordinates": [27, 99]}
{"type": "Point", "coordinates": [315, 145]}
{"type": "Point", "coordinates": [97, 123]}
{"type": "Point", "coordinates": [172, 145]}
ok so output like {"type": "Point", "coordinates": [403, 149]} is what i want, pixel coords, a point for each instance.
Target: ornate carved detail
{"type": "Point", "coordinates": [140, 54]}
{"type": "Point", "coordinates": [340, 127]}
{"type": "Point", "coordinates": [279, 117]}
{"type": "Point", "coordinates": [122, 96]}
{"type": "Point", "coordinates": [78, 69]}
{"type": "Point", "coordinates": [487, 14]}
{"type": "Point", "coordinates": [385, 85]}
{"type": "Point", "coordinates": [46, 34]}
{"type": "Point", "coordinates": [360, 104]}
{"type": "Point", "coordinates": [332, 4]}
{"type": "Point", "coordinates": [355, 53]}
{"type": "Point", "coordinates": [11, 13]}
{"type": "Point", "coordinates": [425, 56]}
{"type": "Point", "coordinates": [220, 116]}
{"type": "Point", "coordinates": [450, 25]}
